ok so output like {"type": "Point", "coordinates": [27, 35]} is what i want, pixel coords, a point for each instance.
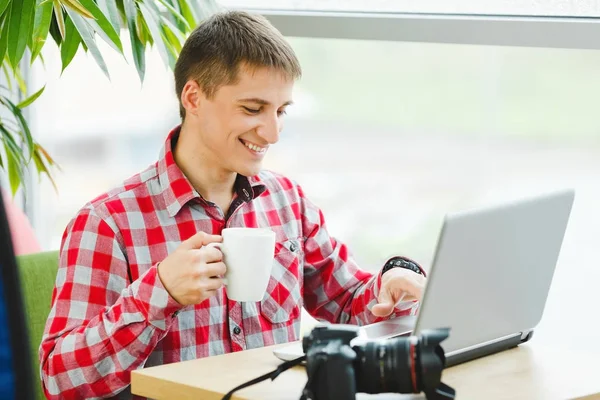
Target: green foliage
{"type": "Point", "coordinates": [75, 24]}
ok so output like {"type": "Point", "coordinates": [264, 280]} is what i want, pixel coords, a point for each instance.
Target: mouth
{"type": "Point", "coordinates": [254, 148]}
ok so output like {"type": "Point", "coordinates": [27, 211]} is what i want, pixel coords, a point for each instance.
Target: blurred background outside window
{"type": "Point", "coordinates": [386, 137]}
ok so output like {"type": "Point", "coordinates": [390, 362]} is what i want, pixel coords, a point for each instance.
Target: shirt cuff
{"type": "Point", "coordinates": [153, 300]}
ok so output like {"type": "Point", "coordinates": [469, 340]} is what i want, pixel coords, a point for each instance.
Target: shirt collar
{"type": "Point", "coordinates": [177, 189]}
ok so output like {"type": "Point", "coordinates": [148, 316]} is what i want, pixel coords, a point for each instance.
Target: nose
{"type": "Point", "coordinates": [270, 128]}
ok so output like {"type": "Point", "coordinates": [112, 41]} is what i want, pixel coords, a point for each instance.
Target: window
{"type": "Point", "coordinates": [99, 131]}
{"type": "Point", "coordinates": [393, 135]}
{"type": "Point", "coordinates": [385, 136]}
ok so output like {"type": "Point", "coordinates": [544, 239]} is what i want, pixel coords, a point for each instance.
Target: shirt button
{"type": "Point", "coordinates": [293, 247]}
{"type": "Point", "coordinates": [237, 330]}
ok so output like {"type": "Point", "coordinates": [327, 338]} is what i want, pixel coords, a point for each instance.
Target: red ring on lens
{"type": "Point", "coordinates": [413, 372]}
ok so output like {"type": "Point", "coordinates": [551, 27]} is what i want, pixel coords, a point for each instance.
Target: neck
{"type": "Point", "coordinates": [201, 168]}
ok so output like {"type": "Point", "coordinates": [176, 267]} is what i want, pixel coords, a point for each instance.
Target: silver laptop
{"type": "Point", "coordinates": [489, 279]}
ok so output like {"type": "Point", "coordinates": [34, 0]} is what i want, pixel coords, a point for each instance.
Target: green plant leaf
{"type": "Point", "coordinates": [55, 32]}
{"type": "Point", "coordinates": [187, 12]}
{"type": "Point", "coordinates": [121, 8]}
{"type": "Point", "coordinates": [41, 166]}
{"type": "Point", "coordinates": [137, 47]}
{"type": "Point", "coordinates": [3, 37]}
{"type": "Point", "coordinates": [109, 8]}
{"type": "Point", "coordinates": [142, 29]}
{"type": "Point", "coordinates": [103, 26]}
{"type": "Point", "coordinates": [49, 159]}
{"type": "Point", "coordinates": [60, 21]}
{"type": "Point", "coordinates": [155, 30]}
{"type": "Point", "coordinates": [174, 37]}
{"type": "Point", "coordinates": [28, 101]}
{"type": "Point", "coordinates": [184, 27]}
{"type": "Point", "coordinates": [13, 146]}
{"type": "Point", "coordinates": [9, 124]}
{"type": "Point", "coordinates": [5, 68]}
{"type": "Point", "coordinates": [41, 26]}
{"type": "Point", "coordinates": [181, 25]}
{"type": "Point", "coordinates": [69, 47]}
{"type": "Point", "coordinates": [172, 54]}
{"type": "Point", "coordinates": [15, 174]}
{"type": "Point", "coordinates": [25, 132]}
{"type": "Point", "coordinates": [76, 6]}
{"type": "Point", "coordinates": [151, 4]}
{"type": "Point", "coordinates": [14, 160]}
{"type": "Point", "coordinates": [20, 26]}
{"type": "Point", "coordinates": [87, 37]}
{"type": "Point", "coordinates": [3, 5]}
{"type": "Point", "coordinates": [20, 80]}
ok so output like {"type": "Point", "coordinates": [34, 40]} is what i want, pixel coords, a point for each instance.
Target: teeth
{"type": "Point", "coordinates": [254, 147]}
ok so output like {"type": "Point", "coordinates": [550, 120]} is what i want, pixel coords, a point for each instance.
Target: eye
{"type": "Point", "coordinates": [281, 112]}
{"type": "Point", "coordinates": [252, 110]}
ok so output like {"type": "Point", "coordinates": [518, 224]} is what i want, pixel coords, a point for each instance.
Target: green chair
{"type": "Point", "coordinates": [38, 273]}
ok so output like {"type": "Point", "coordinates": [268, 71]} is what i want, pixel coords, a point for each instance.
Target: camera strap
{"type": "Point", "coordinates": [272, 375]}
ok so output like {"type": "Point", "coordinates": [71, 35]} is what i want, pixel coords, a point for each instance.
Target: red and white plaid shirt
{"type": "Point", "coordinates": [111, 314]}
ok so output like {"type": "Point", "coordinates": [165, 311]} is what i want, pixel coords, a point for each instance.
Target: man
{"type": "Point", "coordinates": [137, 285]}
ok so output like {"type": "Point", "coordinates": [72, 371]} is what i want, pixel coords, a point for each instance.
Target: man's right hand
{"type": "Point", "coordinates": [191, 273]}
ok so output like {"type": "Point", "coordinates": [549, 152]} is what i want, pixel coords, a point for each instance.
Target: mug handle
{"type": "Point", "coordinates": [219, 246]}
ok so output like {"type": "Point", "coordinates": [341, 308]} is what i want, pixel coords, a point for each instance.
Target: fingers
{"type": "Point", "coordinates": [214, 269]}
{"type": "Point", "coordinates": [411, 292]}
{"type": "Point", "coordinates": [385, 306]}
{"type": "Point", "coordinates": [208, 270]}
{"type": "Point", "coordinates": [385, 297]}
{"type": "Point", "coordinates": [414, 286]}
{"type": "Point", "coordinates": [200, 239]}
{"type": "Point", "coordinates": [397, 286]}
{"type": "Point", "coordinates": [213, 284]}
{"type": "Point", "coordinates": [382, 310]}
{"type": "Point", "coordinates": [402, 280]}
{"type": "Point", "coordinates": [208, 255]}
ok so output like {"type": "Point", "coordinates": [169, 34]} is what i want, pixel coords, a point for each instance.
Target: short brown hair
{"type": "Point", "coordinates": [214, 51]}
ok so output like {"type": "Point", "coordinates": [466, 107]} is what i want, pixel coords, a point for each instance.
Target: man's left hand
{"type": "Point", "coordinates": [398, 284]}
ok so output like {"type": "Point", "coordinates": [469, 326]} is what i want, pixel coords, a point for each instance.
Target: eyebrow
{"type": "Point", "coordinates": [262, 102]}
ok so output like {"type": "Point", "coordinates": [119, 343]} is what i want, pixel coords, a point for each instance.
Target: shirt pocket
{"type": "Point", "coordinates": [283, 299]}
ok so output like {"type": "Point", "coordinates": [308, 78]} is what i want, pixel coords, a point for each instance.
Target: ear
{"type": "Point", "coordinates": [190, 97]}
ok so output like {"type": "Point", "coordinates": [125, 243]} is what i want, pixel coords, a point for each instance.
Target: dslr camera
{"type": "Point", "coordinates": [338, 369]}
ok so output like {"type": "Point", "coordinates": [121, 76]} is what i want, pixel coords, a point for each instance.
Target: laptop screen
{"type": "Point", "coordinates": [15, 363]}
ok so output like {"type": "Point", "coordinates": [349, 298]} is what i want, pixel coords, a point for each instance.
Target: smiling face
{"type": "Point", "coordinates": [235, 126]}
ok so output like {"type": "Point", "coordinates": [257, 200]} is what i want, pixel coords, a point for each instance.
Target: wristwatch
{"type": "Point", "coordinates": [402, 262]}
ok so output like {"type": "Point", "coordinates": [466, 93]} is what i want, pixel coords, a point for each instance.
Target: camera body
{"type": "Point", "coordinates": [338, 369]}
{"type": "Point", "coordinates": [330, 362]}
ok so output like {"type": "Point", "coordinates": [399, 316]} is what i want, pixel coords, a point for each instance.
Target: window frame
{"type": "Point", "coordinates": [495, 30]}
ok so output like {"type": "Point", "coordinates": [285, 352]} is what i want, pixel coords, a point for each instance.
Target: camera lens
{"type": "Point", "coordinates": [387, 366]}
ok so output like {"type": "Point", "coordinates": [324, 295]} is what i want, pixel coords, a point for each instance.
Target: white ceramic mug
{"type": "Point", "coordinates": [248, 255]}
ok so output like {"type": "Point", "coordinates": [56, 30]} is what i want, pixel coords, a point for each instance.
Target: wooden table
{"type": "Point", "coordinates": [531, 371]}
